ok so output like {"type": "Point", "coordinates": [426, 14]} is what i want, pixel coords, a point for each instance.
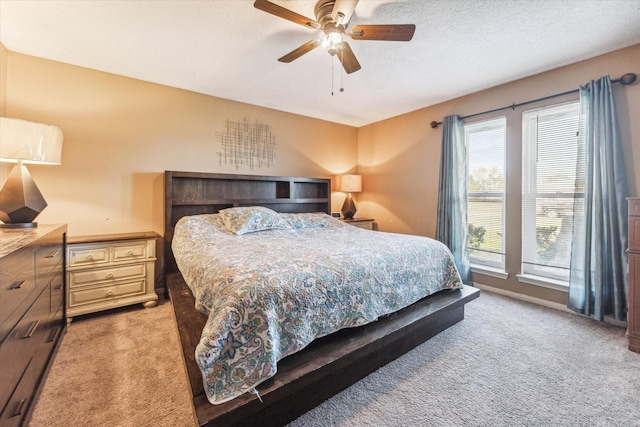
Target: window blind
{"type": "Point", "coordinates": [485, 204]}
{"type": "Point", "coordinates": [549, 180]}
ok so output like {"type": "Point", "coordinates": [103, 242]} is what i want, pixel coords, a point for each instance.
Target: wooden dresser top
{"type": "Point", "coordinates": [13, 239]}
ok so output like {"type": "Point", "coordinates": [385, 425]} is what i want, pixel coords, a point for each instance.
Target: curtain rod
{"type": "Point", "coordinates": [625, 80]}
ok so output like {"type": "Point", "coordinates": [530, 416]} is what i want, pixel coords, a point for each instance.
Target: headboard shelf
{"type": "Point", "coordinates": [194, 193]}
{"type": "Point", "coordinates": [244, 202]}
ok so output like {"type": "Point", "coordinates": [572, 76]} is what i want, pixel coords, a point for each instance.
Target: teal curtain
{"type": "Point", "coordinates": [598, 283]}
{"type": "Point", "coordinates": [452, 194]}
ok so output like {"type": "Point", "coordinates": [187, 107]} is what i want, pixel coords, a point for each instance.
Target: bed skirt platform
{"type": "Point", "coordinates": [325, 367]}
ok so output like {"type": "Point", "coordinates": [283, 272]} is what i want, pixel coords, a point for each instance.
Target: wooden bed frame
{"type": "Point", "coordinates": [329, 364]}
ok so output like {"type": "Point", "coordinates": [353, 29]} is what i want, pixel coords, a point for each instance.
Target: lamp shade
{"type": "Point", "coordinates": [29, 142]}
{"type": "Point", "coordinates": [350, 183]}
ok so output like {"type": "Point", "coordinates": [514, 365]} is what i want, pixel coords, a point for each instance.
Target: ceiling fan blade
{"type": "Point", "coordinates": [285, 13]}
{"type": "Point", "coordinates": [344, 8]}
{"type": "Point", "coordinates": [348, 59]}
{"type": "Point", "coordinates": [297, 53]}
{"type": "Point", "coordinates": [398, 33]}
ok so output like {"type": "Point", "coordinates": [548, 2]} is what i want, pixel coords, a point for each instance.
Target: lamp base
{"type": "Point", "coordinates": [20, 199]}
{"type": "Point", "coordinates": [349, 207]}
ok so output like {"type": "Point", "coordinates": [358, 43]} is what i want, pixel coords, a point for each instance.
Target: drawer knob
{"type": "Point", "coordinates": [110, 276]}
{"type": "Point", "coordinates": [109, 293]}
{"type": "Point", "coordinates": [90, 257]}
{"type": "Point", "coordinates": [129, 252]}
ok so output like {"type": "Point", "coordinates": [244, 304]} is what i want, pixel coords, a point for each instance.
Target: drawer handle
{"type": "Point", "coordinates": [109, 293]}
{"type": "Point", "coordinates": [32, 329]}
{"type": "Point", "coordinates": [53, 254]}
{"type": "Point", "coordinates": [90, 257]}
{"type": "Point", "coordinates": [110, 276]}
{"type": "Point", "coordinates": [130, 252]}
{"type": "Point", "coordinates": [53, 335]}
{"type": "Point", "coordinates": [17, 285]}
{"type": "Point", "coordinates": [19, 408]}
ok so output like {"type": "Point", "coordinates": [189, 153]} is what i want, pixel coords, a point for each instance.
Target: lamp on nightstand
{"type": "Point", "coordinates": [25, 142]}
{"type": "Point", "coordinates": [349, 184]}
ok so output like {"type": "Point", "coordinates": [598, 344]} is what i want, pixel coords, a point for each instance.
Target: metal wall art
{"type": "Point", "coordinates": [246, 143]}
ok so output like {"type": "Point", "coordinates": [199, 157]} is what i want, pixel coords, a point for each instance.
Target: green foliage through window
{"type": "Point", "coordinates": [476, 236]}
{"type": "Point", "coordinates": [545, 237]}
{"type": "Point", "coordinates": [484, 180]}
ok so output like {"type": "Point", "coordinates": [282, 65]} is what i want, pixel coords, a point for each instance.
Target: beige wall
{"type": "Point", "coordinates": [399, 157]}
{"type": "Point", "coordinates": [120, 134]}
{"type": "Point", "coordinates": [3, 79]}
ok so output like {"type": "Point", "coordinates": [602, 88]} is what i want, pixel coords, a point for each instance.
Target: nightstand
{"type": "Point", "coordinates": [366, 223]}
{"type": "Point", "coordinates": [109, 271]}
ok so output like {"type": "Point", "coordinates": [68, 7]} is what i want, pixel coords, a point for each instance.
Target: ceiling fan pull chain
{"type": "Point", "coordinates": [342, 71]}
{"type": "Point", "coordinates": [332, 67]}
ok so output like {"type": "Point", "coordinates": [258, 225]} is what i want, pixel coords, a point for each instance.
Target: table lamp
{"type": "Point", "coordinates": [349, 184]}
{"type": "Point", "coordinates": [25, 142]}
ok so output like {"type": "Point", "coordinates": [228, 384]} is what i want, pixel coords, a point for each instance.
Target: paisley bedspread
{"type": "Point", "coordinates": [268, 294]}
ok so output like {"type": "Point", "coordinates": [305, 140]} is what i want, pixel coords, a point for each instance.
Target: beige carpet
{"type": "Point", "coordinates": [509, 363]}
{"type": "Point", "coordinates": [118, 368]}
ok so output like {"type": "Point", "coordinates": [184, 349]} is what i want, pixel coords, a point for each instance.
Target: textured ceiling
{"type": "Point", "coordinates": [229, 49]}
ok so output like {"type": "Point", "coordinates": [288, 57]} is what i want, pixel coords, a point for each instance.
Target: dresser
{"type": "Point", "coordinates": [32, 318]}
{"type": "Point", "coordinates": [109, 271]}
{"type": "Point", "coordinates": [633, 315]}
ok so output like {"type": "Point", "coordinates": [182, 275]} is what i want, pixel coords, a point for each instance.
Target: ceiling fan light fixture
{"type": "Point", "coordinates": [333, 17]}
{"type": "Point", "coordinates": [332, 40]}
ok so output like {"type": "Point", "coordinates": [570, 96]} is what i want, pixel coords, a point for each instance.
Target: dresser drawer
{"type": "Point", "coordinates": [18, 405]}
{"type": "Point", "coordinates": [47, 339]}
{"type": "Point", "coordinates": [16, 349]}
{"type": "Point", "coordinates": [633, 315]}
{"type": "Point", "coordinates": [17, 283]}
{"type": "Point", "coordinates": [365, 223]}
{"type": "Point", "coordinates": [634, 233]}
{"type": "Point", "coordinates": [48, 257]}
{"type": "Point", "coordinates": [80, 278]}
{"type": "Point", "coordinates": [129, 251]}
{"type": "Point", "coordinates": [88, 255]}
{"type": "Point", "coordinates": [634, 207]}
{"type": "Point", "coordinates": [106, 293]}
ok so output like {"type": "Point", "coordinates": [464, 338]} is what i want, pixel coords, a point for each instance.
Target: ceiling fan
{"type": "Point", "coordinates": [332, 17]}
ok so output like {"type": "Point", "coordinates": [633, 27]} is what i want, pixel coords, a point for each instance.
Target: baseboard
{"type": "Point", "coordinates": [539, 301]}
{"type": "Point", "coordinates": [523, 297]}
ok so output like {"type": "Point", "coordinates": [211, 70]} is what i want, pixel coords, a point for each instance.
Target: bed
{"type": "Point", "coordinates": [267, 351]}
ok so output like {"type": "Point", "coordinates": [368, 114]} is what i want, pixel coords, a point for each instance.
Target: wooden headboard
{"type": "Point", "coordinates": [193, 193]}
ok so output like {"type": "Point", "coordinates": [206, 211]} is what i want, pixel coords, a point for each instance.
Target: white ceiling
{"type": "Point", "coordinates": [229, 49]}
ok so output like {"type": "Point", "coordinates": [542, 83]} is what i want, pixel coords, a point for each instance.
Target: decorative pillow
{"type": "Point", "coordinates": [248, 219]}
{"type": "Point", "coordinates": [307, 220]}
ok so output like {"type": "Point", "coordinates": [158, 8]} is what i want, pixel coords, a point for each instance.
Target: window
{"type": "Point", "coordinates": [485, 204]}
{"type": "Point", "coordinates": [549, 180]}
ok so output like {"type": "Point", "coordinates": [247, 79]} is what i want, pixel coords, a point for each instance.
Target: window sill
{"type": "Point", "coordinates": [530, 279]}
{"type": "Point", "coordinates": [489, 271]}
